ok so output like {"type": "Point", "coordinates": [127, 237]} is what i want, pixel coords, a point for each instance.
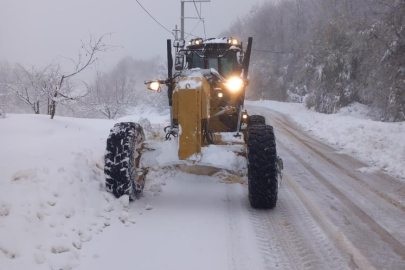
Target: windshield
{"type": "Point", "coordinates": [226, 65]}
{"type": "Point", "coordinates": [229, 64]}
{"type": "Point", "coordinates": [196, 60]}
{"type": "Point", "coordinates": [213, 63]}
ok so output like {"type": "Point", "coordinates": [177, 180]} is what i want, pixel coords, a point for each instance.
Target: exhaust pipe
{"type": "Point", "coordinates": [169, 75]}
{"type": "Point", "coordinates": [246, 61]}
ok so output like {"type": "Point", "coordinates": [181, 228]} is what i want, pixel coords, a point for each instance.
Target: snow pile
{"type": "Point", "coordinates": [52, 192]}
{"type": "Point", "coordinates": [225, 157]}
{"type": "Point", "coordinates": [153, 115]}
{"type": "Point", "coordinates": [380, 144]}
{"type": "Point", "coordinates": [219, 156]}
{"type": "Point", "coordinates": [232, 137]}
{"type": "Point", "coordinates": [166, 151]}
{"type": "Point", "coordinates": [53, 201]}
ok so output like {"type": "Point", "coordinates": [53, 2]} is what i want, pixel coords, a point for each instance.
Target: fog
{"type": "Point", "coordinates": [38, 32]}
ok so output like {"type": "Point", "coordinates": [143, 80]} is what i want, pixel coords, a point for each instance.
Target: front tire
{"type": "Point", "coordinates": [256, 120]}
{"type": "Point", "coordinates": [120, 168]}
{"type": "Point", "coordinates": [262, 167]}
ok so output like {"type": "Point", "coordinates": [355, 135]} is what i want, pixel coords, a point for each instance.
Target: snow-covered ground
{"type": "Point", "coordinates": [54, 206]}
{"type": "Point", "coordinates": [56, 214]}
{"type": "Point", "coordinates": [382, 145]}
{"type": "Point", "coordinates": [52, 195]}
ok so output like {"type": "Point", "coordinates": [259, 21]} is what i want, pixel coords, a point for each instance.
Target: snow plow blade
{"type": "Point", "coordinates": [225, 175]}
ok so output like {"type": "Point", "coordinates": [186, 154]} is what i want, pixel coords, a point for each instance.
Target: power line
{"type": "Point", "coordinates": [190, 34]}
{"type": "Point", "coordinates": [196, 9]}
{"type": "Point", "coordinates": [153, 18]}
{"type": "Point", "coordinates": [205, 34]}
{"type": "Point", "coordinates": [199, 16]}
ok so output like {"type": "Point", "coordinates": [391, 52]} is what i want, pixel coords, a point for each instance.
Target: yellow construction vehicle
{"type": "Point", "coordinates": [206, 98]}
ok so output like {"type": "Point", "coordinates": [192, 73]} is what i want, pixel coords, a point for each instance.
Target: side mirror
{"type": "Point", "coordinates": [154, 86]}
{"type": "Point", "coordinates": [179, 43]}
{"type": "Point", "coordinates": [179, 62]}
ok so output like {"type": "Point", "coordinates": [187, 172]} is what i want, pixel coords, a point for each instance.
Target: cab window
{"type": "Point", "coordinates": [213, 63]}
{"type": "Point", "coordinates": [195, 60]}
{"type": "Point", "coordinates": [229, 64]}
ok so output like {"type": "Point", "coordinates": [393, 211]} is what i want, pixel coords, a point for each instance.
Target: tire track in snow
{"type": "Point", "coordinates": [290, 129]}
{"type": "Point", "coordinates": [382, 195]}
{"type": "Point", "coordinates": [234, 255]}
{"type": "Point", "coordinates": [367, 230]}
{"type": "Point", "coordinates": [385, 236]}
{"type": "Point", "coordinates": [358, 261]}
{"type": "Point", "coordinates": [323, 255]}
{"type": "Point", "coordinates": [285, 125]}
{"type": "Point", "coordinates": [290, 239]}
{"type": "Point", "coordinates": [272, 252]}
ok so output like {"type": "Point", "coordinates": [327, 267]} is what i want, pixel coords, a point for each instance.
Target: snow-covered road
{"type": "Point", "coordinates": [362, 213]}
{"type": "Point", "coordinates": [329, 214]}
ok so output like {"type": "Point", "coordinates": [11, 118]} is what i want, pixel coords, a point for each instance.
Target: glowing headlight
{"type": "Point", "coordinates": [197, 42]}
{"type": "Point", "coordinates": [155, 86]}
{"type": "Point", "coordinates": [220, 95]}
{"type": "Point", "coordinates": [235, 42]}
{"type": "Point", "coordinates": [234, 84]}
{"type": "Point", "coordinates": [244, 116]}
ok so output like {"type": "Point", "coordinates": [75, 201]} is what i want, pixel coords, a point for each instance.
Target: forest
{"type": "Point", "coordinates": [328, 53]}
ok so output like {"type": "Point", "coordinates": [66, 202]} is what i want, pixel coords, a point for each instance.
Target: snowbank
{"type": "Point", "coordinates": [52, 196]}
{"type": "Point", "coordinates": [153, 115]}
{"type": "Point", "coordinates": [53, 200]}
{"type": "Point", "coordinates": [380, 144]}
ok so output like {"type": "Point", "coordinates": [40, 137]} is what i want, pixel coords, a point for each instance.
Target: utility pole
{"type": "Point", "coordinates": [183, 16]}
{"type": "Point", "coordinates": [182, 20]}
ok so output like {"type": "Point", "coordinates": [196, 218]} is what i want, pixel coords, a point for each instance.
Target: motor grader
{"type": "Point", "coordinates": [206, 96]}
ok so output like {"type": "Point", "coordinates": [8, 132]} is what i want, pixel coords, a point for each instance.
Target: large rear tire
{"type": "Point", "coordinates": [262, 167]}
{"type": "Point", "coordinates": [120, 166]}
{"type": "Point", "coordinates": [257, 120]}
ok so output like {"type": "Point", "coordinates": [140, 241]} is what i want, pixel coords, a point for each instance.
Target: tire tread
{"type": "Point", "coordinates": [120, 159]}
{"type": "Point", "coordinates": [262, 167]}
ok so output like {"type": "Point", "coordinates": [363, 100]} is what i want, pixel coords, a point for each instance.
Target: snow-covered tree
{"type": "Point", "coordinates": [43, 89]}
{"type": "Point", "coordinates": [110, 95]}
{"type": "Point", "coordinates": [25, 85]}
{"type": "Point", "coordinates": [334, 51]}
{"type": "Point", "coordinates": [113, 93]}
{"type": "Point", "coordinates": [63, 92]}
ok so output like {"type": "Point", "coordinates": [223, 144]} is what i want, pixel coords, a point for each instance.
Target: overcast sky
{"type": "Point", "coordinates": [38, 31]}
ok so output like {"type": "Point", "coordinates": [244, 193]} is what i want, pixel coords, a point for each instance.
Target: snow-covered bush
{"type": "Point", "coordinates": [309, 101]}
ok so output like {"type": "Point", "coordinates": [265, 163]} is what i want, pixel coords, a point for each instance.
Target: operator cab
{"type": "Point", "coordinates": [224, 66]}
{"type": "Point", "coordinates": [221, 54]}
